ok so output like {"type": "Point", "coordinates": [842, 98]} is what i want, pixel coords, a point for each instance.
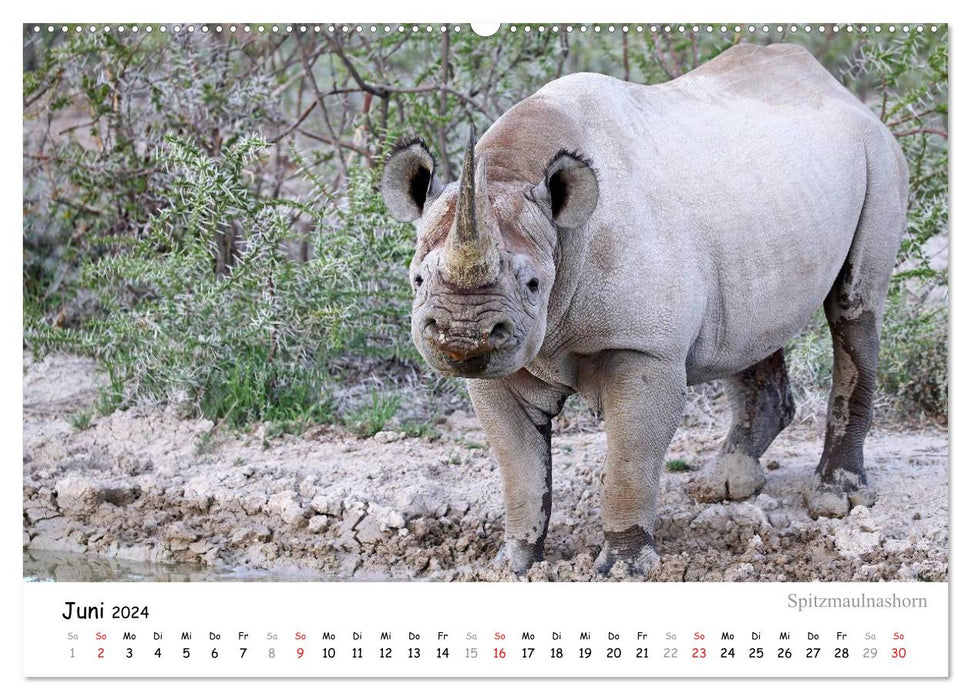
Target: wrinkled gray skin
{"type": "Point", "coordinates": [624, 241]}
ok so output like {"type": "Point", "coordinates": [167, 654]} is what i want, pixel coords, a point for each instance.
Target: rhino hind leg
{"type": "Point", "coordinates": [840, 481]}
{"type": "Point", "coordinates": [854, 310]}
{"type": "Point", "coordinates": [762, 406]}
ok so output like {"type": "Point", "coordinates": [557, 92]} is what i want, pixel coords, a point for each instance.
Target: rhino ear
{"type": "Point", "coordinates": [569, 191]}
{"type": "Point", "coordinates": [409, 183]}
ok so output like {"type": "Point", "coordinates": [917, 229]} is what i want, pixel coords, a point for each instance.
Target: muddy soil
{"type": "Point", "coordinates": [148, 487]}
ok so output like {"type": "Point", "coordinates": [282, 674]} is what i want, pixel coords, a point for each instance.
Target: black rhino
{"type": "Point", "coordinates": [625, 241]}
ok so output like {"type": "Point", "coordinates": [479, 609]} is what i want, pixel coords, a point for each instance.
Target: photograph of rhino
{"type": "Point", "coordinates": [577, 303]}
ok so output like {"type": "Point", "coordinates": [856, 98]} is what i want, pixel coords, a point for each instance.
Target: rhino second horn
{"type": "Point", "coordinates": [471, 256]}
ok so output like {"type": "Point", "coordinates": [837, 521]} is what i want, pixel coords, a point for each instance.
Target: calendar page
{"type": "Point", "coordinates": [514, 350]}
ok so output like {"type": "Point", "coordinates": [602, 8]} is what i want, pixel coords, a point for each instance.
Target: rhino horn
{"type": "Point", "coordinates": [471, 255]}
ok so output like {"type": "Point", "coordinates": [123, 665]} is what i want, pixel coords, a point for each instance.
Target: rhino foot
{"type": "Point", "coordinates": [639, 565]}
{"type": "Point", "coordinates": [836, 500]}
{"type": "Point", "coordinates": [632, 548]}
{"type": "Point", "coordinates": [518, 556]}
{"type": "Point", "coordinates": [731, 476]}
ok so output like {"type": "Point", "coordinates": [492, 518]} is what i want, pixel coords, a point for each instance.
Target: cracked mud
{"type": "Point", "coordinates": [144, 487]}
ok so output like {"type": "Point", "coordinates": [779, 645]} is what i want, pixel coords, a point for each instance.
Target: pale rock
{"type": "Point", "coordinates": [766, 502]}
{"type": "Point", "coordinates": [199, 491]}
{"type": "Point", "coordinates": [200, 547]}
{"type": "Point", "coordinates": [853, 542]}
{"type": "Point", "coordinates": [253, 503]}
{"type": "Point", "coordinates": [78, 495]}
{"type": "Point", "coordinates": [748, 514]}
{"type": "Point", "coordinates": [327, 505]}
{"type": "Point", "coordinates": [251, 535]}
{"type": "Point", "coordinates": [308, 488]}
{"type": "Point", "coordinates": [286, 506]}
{"type": "Point", "coordinates": [318, 524]}
{"type": "Point", "coordinates": [369, 530]}
{"type": "Point", "coordinates": [421, 501]}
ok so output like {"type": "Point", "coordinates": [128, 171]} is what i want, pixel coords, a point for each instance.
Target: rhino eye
{"type": "Point", "coordinates": [533, 285]}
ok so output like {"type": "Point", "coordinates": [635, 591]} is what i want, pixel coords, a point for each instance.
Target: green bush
{"type": "Point", "coordinates": [97, 107]}
{"type": "Point", "coordinates": [249, 335]}
{"type": "Point", "coordinates": [913, 358]}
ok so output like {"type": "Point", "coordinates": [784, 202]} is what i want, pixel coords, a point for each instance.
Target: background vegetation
{"type": "Point", "coordinates": [201, 211]}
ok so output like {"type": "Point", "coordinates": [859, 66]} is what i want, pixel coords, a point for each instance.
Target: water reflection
{"type": "Point", "coordinates": [68, 566]}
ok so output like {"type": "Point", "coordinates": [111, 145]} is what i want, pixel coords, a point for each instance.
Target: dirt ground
{"type": "Point", "coordinates": [147, 487]}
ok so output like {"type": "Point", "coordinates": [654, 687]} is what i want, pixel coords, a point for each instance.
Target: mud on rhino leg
{"type": "Point", "coordinates": [762, 406]}
{"type": "Point", "coordinates": [643, 403]}
{"type": "Point", "coordinates": [516, 414]}
{"type": "Point", "coordinates": [840, 481]}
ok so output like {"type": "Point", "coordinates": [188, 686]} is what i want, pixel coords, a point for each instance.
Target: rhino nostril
{"type": "Point", "coordinates": [501, 332]}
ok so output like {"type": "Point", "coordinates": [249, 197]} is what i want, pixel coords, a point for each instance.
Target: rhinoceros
{"type": "Point", "coordinates": [624, 241]}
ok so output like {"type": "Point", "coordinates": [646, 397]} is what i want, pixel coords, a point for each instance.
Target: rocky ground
{"type": "Point", "coordinates": [146, 487]}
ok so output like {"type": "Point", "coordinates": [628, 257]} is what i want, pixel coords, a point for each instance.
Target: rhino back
{"type": "Point", "coordinates": [729, 200]}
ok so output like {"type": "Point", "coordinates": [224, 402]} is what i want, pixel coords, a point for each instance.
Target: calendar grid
{"type": "Point", "coordinates": [485, 630]}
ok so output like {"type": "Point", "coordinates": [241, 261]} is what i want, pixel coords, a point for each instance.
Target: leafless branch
{"type": "Point", "coordinates": [443, 113]}
{"type": "Point", "coordinates": [293, 127]}
{"type": "Point", "coordinates": [334, 140]}
{"type": "Point", "coordinates": [910, 117]}
{"type": "Point", "coordinates": [921, 130]}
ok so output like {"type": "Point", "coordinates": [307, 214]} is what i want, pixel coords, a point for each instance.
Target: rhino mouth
{"type": "Point", "coordinates": [471, 367]}
{"type": "Point", "coordinates": [493, 364]}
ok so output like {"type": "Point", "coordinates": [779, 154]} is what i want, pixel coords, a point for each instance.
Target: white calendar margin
{"type": "Point", "coordinates": [445, 10]}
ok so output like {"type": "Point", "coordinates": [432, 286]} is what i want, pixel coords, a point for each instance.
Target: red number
{"type": "Point", "coordinates": [101, 653]}
{"type": "Point", "coordinates": [699, 653]}
{"type": "Point", "coordinates": [299, 652]}
{"type": "Point", "coordinates": [498, 653]}
{"type": "Point", "coordinates": [898, 653]}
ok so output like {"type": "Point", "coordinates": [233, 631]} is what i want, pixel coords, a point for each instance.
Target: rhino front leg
{"type": "Point", "coordinates": [516, 414]}
{"type": "Point", "coordinates": [643, 403]}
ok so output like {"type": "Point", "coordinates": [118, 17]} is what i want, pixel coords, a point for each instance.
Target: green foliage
{"type": "Point", "coordinates": [677, 465]}
{"type": "Point", "coordinates": [96, 109]}
{"type": "Point", "coordinates": [205, 444]}
{"type": "Point", "coordinates": [911, 72]}
{"type": "Point", "coordinates": [423, 429]}
{"type": "Point", "coordinates": [913, 357]}
{"type": "Point", "coordinates": [248, 334]}
{"type": "Point", "coordinates": [372, 416]}
{"type": "Point", "coordinates": [81, 420]}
